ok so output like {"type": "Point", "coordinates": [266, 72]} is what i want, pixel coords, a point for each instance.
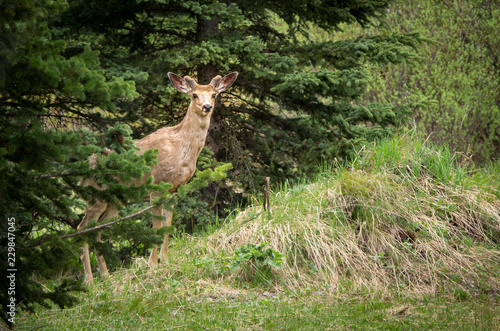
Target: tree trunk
{"type": "Point", "coordinates": [205, 29]}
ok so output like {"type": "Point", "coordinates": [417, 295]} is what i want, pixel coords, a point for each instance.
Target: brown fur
{"type": "Point", "coordinates": [178, 149]}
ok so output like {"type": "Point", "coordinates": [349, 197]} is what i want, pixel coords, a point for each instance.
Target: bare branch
{"type": "Point", "coordinates": [98, 227]}
{"type": "Point", "coordinates": [67, 174]}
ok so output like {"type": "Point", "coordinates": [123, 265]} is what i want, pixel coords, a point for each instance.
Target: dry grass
{"type": "Point", "coordinates": [372, 229]}
{"type": "Point", "coordinates": [403, 221]}
{"type": "Point", "coordinates": [377, 230]}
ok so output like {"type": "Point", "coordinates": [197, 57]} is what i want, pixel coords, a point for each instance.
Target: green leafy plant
{"type": "Point", "coordinates": [215, 266]}
{"type": "Point", "coordinates": [255, 262]}
{"type": "Point", "coordinates": [251, 261]}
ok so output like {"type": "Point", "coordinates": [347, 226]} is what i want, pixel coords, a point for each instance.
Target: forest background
{"type": "Point", "coordinates": [317, 82]}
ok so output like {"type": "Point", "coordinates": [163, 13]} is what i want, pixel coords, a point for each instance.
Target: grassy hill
{"type": "Point", "coordinates": [406, 236]}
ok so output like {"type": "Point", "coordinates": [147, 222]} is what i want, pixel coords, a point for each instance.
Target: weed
{"type": "Point", "coordinates": [256, 262]}
{"type": "Point", "coordinates": [249, 262]}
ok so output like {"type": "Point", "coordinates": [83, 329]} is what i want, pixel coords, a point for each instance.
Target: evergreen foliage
{"type": "Point", "coordinates": [47, 102]}
{"type": "Point", "coordinates": [296, 102]}
{"type": "Point", "coordinates": [72, 73]}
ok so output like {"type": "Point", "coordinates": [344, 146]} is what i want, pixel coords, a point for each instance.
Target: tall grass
{"type": "Point", "coordinates": [403, 216]}
{"type": "Point", "coordinates": [385, 242]}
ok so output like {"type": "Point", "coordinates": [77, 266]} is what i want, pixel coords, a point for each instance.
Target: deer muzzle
{"type": "Point", "coordinates": [207, 108]}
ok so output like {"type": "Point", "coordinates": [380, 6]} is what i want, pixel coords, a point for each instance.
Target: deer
{"type": "Point", "coordinates": [178, 150]}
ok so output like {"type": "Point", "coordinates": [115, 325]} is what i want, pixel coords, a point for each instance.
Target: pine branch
{"type": "Point", "coordinates": [98, 227]}
{"type": "Point", "coordinates": [252, 128]}
{"type": "Point", "coordinates": [60, 175]}
{"type": "Point", "coordinates": [67, 174]}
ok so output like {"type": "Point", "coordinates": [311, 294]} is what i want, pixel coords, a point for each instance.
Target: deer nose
{"type": "Point", "coordinates": [207, 108]}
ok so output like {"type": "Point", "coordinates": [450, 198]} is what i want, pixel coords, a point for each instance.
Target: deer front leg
{"type": "Point", "coordinates": [101, 262]}
{"type": "Point", "coordinates": [110, 212]}
{"type": "Point", "coordinates": [93, 212]}
{"type": "Point", "coordinates": [87, 269]}
{"type": "Point", "coordinates": [157, 223]}
{"type": "Point", "coordinates": [164, 248]}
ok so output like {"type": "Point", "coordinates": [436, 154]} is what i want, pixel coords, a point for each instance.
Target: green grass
{"type": "Point", "coordinates": [259, 310]}
{"type": "Point", "coordinates": [406, 237]}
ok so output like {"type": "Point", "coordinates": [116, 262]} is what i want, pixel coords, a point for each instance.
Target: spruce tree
{"type": "Point", "coordinates": [87, 76]}
{"type": "Point", "coordinates": [50, 100]}
{"type": "Point", "coordinates": [296, 103]}
{"type": "Point", "coordinates": [58, 107]}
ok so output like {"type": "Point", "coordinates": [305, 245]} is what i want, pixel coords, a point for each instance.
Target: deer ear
{"type": "Point", "coordinates": [215, 82]}
{"type": "Point", "coordinates": [190, 82]}
{"type": "Point", "coordinates": [222, 84]}
{"type": "Point", "coordinates": [180, 83]}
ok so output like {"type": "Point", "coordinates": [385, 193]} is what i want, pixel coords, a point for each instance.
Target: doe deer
{"type": "Point", "coordinates": [178, 149]}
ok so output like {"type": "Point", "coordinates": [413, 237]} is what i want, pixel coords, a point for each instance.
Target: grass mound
{"type": "Point", "coordinates": [400, 239]}
{"type": "Point", "coordinates": [402, 217]}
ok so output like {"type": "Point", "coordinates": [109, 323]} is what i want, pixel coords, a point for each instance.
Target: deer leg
{"type": "Point", "coordinates": [86, 263]}
{"type": "Point", "coordinates": [164, 248]}
{"type": "Point", "coordinates": [153, 258]}
{"type": "Point", "coordinates": [101, 262]}
{"type": "Point", "coordinates": [93, 212]}
{"type": "Point", "coordinates": [110, 212]}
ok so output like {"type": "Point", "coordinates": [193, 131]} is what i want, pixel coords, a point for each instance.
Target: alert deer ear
{"type": "Point", "coordinates": [186, 84]}
{"type": "Point", "coordinates": [215, 82]}
{"type": "Point", "coordinates": [190, 82]}
{"type": "Point", "coordinates": [222, 84]}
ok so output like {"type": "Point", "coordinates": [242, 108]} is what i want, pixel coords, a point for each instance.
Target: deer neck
{"type": "Point", "coordinates": [195, 127]}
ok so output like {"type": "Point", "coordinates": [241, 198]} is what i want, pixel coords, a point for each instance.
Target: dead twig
{"type": "Point", "coordinates": [97, 227]}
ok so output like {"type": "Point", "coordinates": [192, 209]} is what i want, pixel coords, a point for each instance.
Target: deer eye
{"type": "Point", "coordinates": [214, 95]}
{"type": "Point", "coordinates": [195, 96]}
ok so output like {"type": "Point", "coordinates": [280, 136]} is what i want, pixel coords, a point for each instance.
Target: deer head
{"type": "Point", "coordinates": [202, 96]}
